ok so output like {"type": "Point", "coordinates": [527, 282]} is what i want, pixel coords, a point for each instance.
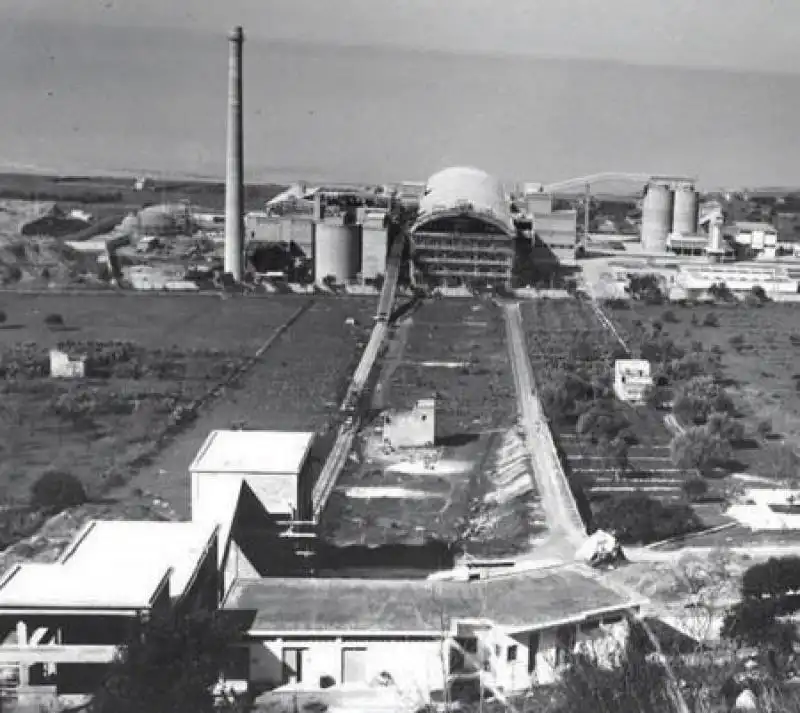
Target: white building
{"type": "Point", "coordinates": [697, 280]}
{"type": "Point", "coordinates": [270, 462]}
{"type": "Point", "coordinates": [64, 621]}
{"type": "Point", "coordinates": [67, 366]}
{"type": "Point", "coordinates": [517, 630]}
{"type": "Point", "coordinates": [756, 239]}
{"type": "Point", "coordinates": [632, 379]}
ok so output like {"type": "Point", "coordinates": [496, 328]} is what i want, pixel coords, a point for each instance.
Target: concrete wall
{"type": "Point", "coordinates": [415, 665]}
{"type": "Point", "coordinates": [274, 490]}
{"type": "Point", "coordinates": [419, 666]}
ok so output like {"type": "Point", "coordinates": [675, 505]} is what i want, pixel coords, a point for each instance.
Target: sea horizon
{"type": "Point", "coordinates": [143, 101]}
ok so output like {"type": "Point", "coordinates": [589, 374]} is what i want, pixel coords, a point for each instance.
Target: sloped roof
{"type": "Point", "coordinates": [536, 599]}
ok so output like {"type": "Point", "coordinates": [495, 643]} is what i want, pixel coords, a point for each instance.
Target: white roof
{"type": "Point", "coordinates": [446, 189]}
{"type": "Point", "coordinates": [253, 452]}
{"type": "Point", "coordinates": [112, 564]}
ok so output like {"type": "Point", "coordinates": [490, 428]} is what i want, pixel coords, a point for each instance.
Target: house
{"type": "Point", "coordinates": [425, 635]}
{"type": "Point", "coordinates": [62, 622]}
{"type": "Point", "coordinates": [632, 379]}
{"type": "Point", "coordinates": [64, 365]}
{"type": "Point", "coordinates": [412, 429]}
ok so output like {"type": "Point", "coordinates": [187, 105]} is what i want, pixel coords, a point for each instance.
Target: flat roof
{"type": "Point", "coordinates": [531, 600]}
{"type": "Point", "coordinates": [112, 564]}
{"type": "Point", "coordinates": [253, 452]}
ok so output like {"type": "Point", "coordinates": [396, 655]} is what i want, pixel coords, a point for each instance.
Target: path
{"type": "Point", "coordinates": [565, 527]}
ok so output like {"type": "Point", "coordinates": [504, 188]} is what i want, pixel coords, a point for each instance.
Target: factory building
{"type": "Point", "coordinates": [754, 239]}
{"type": "Point", "coordinates": [464, 232]}
{"type": "Point", "coordinates": [374, 243]}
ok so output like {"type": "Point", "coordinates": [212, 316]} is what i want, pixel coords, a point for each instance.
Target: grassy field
{"type": "Point", "coordinates": [477, 494]}
{"type": "Point", "coordinates": [103, 429]}
{"type": "Point", "coordinates": [760, 353]}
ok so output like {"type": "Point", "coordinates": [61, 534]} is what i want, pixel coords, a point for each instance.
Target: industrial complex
{"type": "Point", "coordinates": [253, 543]}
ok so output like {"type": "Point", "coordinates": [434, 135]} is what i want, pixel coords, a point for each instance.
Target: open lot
{"type": "Point", "coordinates": [760, 354]}
{"type": "Point", "coordinates": [473, 491]}
{"type": "Point", "coordinates": [106, 430]}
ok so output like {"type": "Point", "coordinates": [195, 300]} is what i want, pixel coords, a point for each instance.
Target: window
{"type": "Point", "coordinates": [292, 659]}
{"type": "Point", "coordinates": [511, 653]}
{"type": "Point", "coordinates": [354, 665]}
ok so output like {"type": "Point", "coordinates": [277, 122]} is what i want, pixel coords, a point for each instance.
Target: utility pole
{"type": "Point", "coordinates": [587, 199]}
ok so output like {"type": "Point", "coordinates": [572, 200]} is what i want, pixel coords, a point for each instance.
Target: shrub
{"type": "Point", "coordinates": [698, 448]}
{"type": "Point", "coordinates": [699, 397]}
{"type": "Point", "coordinates": [669, 317]}
{"type": "Point", "coordinates": [54, 320]}
{"type": "Point", "coordinates": [711, 320]}
{"type": "Point", "coordinates": [3, 317]}
{"type": "Point", "coordinates": [639, 519]}
{"type": "Point", "coordinates": [695, 488]}
{"type": "Point", "coordinates": [57, 490]}
{"type": "Point", "coordinates": [737, 340]}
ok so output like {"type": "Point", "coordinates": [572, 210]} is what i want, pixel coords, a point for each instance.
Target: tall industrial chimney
{"type": "Point", "coordinates": [234, 182]}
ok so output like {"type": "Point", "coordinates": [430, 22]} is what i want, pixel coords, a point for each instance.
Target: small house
{"type": "Point", "coordinates": [66, 365]}
{"type": "Point", "coordinates": [632, 379]}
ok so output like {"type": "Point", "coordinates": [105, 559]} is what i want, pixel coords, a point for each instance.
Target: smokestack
{"type": "Point", "coordinates": [234, 185]}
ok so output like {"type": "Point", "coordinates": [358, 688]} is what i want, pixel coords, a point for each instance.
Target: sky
{"type": "Point", "coordinates": [395, 89]}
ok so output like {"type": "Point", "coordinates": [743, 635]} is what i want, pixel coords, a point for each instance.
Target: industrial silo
{"type": "Point", "coordinates": [374, 244]}
{"type": "Point", "coordinates": [656, 218]}
{"type": "Point", "coordinates": [337, 252]}
{"type": "Point", "coordinates": [685, 210]}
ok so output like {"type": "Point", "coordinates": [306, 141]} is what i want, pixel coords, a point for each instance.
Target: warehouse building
{"type": "Point", "coordinates": [464, 233]}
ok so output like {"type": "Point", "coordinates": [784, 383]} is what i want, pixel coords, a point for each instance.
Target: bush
{"type": "Point", "coordinates": [3, 317]}
{"type": "Point", "coordinates": [699, 398]}
{"type": "Point", "coordinates": [639, 519]}
{"type": "Point", "coordinates": [699, 449]}
{"type": "Point", "coordinates": [711, 320]}
{"type": "Point", "coordinates": [54, 320]}
{"type": "Point", "coordinates": [57, 490]}
{"type": "Point", "coordinates": [669, 317]}
{"type": "Point", "coordinates": [695, 488]}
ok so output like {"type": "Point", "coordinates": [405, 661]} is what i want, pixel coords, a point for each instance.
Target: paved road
{"type": "Point", "coordinates": [566, 531]}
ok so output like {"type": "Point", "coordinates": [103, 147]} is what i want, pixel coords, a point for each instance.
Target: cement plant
{"type": "Point", "coordinates": [427, 441]}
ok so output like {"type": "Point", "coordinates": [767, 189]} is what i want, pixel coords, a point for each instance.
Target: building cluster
{"type": "Point", "coordinates": [249, 548]}
{"type": "Point", "coordinates": [325, 233]}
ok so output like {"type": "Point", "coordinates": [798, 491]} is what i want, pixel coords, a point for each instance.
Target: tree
{"type": "Point", "coordinates": [781, 463]}
{"type": "Point", "coordinates": [695, 488]}
{"type": "Point", "coordinates": [698, 398]}
{"type": "Point", "coordinates": [3, 317]}
{"type": "Point", "coordinates": [699, 449]}
{"type": "Point", "coordinates": [378, 281]}
{"type": "Point", "coordinates": [57, 490]}
{"type": "Point", "coordinates": [607, 426]}
{"type": "Point", "coordinates": [169, 663]}
{"type": "Point", "coordinates": [720, 291]}
{"type": "Point", "coordinates": [639, 519]}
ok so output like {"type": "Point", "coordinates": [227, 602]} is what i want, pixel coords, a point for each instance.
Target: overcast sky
{"type": "Point", "coordinates": [759, 35]}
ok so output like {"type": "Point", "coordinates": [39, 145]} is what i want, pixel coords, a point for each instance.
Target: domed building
{"type": "Point", "coordinates": [166, 219]}
{"type": "Point", "coordinates": [464, 232]}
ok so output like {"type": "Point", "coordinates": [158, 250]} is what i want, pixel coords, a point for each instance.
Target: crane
{"type": "Point", "coordinates": [587, 181]}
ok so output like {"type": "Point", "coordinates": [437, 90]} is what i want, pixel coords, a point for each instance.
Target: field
{"type": "Point", "coordinates": [109, 428]}
{"type": "Point", "coordinates": [473, 492]}
{"type": "Point", "coordinates": [563, 332]}
{"type": "Point", "coordinates": [760, 353]}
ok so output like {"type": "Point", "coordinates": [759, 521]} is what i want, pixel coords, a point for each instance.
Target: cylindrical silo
{"type": "Point", "coordinates": [337, 252]}
{"type": "Point", "coordinates": [656, 218]}
{"type": "Point", "coordinates": [685, 210]}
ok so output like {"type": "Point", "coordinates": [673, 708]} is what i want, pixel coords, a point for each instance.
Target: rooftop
{"type": "Point", "coordinates": [530, 601]}
{"type": "Point", "coordinates": [115, 564]}
{"type": "Point", "coordinates": [253, 452]}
